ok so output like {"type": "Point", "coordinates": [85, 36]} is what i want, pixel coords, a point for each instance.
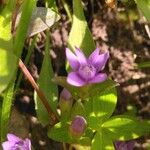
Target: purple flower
{"type": "Point", "coordinates": [86, 70]}
{"type": "Point", "coordinates": [78, 126]}
{"type": "Point", "coordinates": [16, 143]}
{"type": "Point", "coordinates": [124, 145]}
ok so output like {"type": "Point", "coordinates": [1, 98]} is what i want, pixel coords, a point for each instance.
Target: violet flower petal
{"type": "Point", "coordinates": [12, 137]}
{"type": "Point", "coordinates": [99, 61]}
{"type": "Point", "coordinates": [98, 78]}
{"type": "Point", "coordinates": [93, 56]}
{"type": "Point", "coordinates": [71, 57]}
{"type": "Point", "coordinates": [27, 144]}
{"type": "Point", "coordinates": [7, 145]}
{"type": "Point", "coordinates": [74, 79]}
{"type": "Point", "coordinates": [81, 57]}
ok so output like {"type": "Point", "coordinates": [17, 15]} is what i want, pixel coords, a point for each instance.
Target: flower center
{"type": "Point", "coordinates": [87, 72]}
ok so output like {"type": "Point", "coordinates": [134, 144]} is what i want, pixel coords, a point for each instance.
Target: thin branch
{"type": "Point", "coordinates": [42, 97]}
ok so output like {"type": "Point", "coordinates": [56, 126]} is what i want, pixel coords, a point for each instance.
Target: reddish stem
{"type": "Point", "coordinates": [42, 97]}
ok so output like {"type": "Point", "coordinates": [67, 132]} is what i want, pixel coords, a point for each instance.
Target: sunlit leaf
{"type": "Point", "coordinates": [80, 34]}
{"type": "Point", "coordinates": [102, 142]}
{"type": "Point", "coordinates": [1, 102]}
{"type": "Point", "coordinates": [7, 59]}
{"type": "Point", "coordinates": [8, 63]}
{"type": "Point", "coordinates": [125, 128]}
{"type": "Point", "coordinates": [144, 6]}
{"type": "Point", "coordinates": [59, 133]}
{"type": "Point", "coordinates": [100, 107]}
{"type": "Point", "coordinates": [5, 30]}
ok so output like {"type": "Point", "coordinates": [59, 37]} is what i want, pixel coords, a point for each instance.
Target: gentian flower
{"type": "Point", "coordinates": [16, 143]}
{"type": "Point", "coordinates": [86, 70]}
{"type": "Point", "coordinates": [78, 126]}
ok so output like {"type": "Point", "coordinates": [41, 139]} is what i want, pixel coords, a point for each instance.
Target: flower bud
{"type": "Point", "coordinates": [124, 145]}
{"type": "Point", "coordinates": [65, 102]}
{"type": "Point", "coordinates": [78, 126]}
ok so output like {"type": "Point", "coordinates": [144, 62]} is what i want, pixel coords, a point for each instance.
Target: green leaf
{"type": "Point", "coordinates": [1, 102]}
{"type": "Point", "coordinates": [8, 60]}
{"type": "Point", "coordinates": [27, 59]}
{"type": "Point", "coordinates": [5, 30]}
{"type": "Point", "coordinates": [100, 88]}
{"type": "Point", "coordinates": [100, 107]}
{"type": "Point", "coordinates": [41, 19]}
{"type": "Point", "coordinates": [60, 133]}
{"type": "Point", "coordinates": [27, 8]}
{"type": "Point", "coordinates": [78, 109]}
{"type": "Point", "coordinates": [7, 68]}
{"type": "Point", "coordinates": [144, 6]}
{"type": "Point", "coordinates": [144, 65]}
{"type": "Point", "coordinates": [6, 109]}
{"type": "Point", "coordinates": [80, 34]}
{"type": "Point", "coordinates": [85, 91]}
{"type": "Point", "coordinates": [52, 4]}
{"type": "Point", "coordinates": [47, 86]}
{"type": "Point", "coordinates": [125, 128]}
{"type": "Point", "coordinates": [102, 142]}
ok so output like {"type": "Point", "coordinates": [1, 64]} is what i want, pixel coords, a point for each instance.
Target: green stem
{"type": "Point", "coordinates": [64, 146]}
{"type": "Point", "coordinates": [67, 10]}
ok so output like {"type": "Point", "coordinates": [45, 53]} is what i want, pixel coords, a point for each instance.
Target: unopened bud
{"type": "Point", "coordinates": [78, 126]}
{"type": "Point", "coordinates": [65, 102]}
{"type": "Point", "coordinates": [124, 145]}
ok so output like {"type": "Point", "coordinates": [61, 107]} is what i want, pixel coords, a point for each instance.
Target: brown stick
{"type": "Point", "coordinates": [42, 97]}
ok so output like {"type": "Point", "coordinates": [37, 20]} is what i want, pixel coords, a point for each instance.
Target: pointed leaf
{"type": "Point", "coordinates": [125, 128]}
{"type": "Point", "coordinates": [5, 30]}
{"type": "Point", "coordinates": [27, 9]}
{"type": "Point", "coordinates": [6, 109]}
{"type": "Point", "coordinates": [80, 34]}
{"type": "Point", "coordinates": [59, 133]}
{"type": "Point", "coordinates": [102, 142]}
{"type": "Point", "coordinates": [100, 107]}
{"type": "Point", "coordinates": [8, 61]}
{"type": "Point", "coordinates": [8, 64]}
{"type": "Point", "coordinates": [47, 86]}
